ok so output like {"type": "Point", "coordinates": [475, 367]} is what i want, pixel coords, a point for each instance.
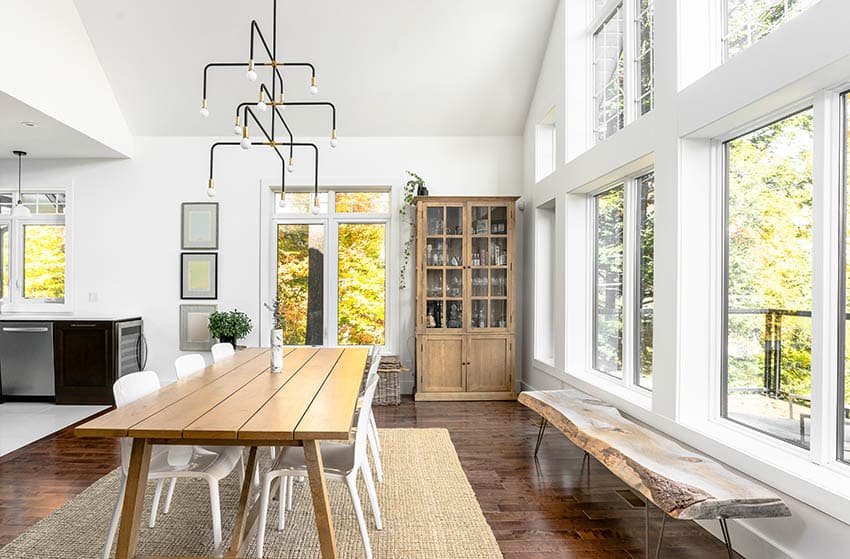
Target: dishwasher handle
{"type": "Point", "coordinates": [28, 329]}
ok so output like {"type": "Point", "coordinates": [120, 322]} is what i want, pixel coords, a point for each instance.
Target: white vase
{"type": "Point", "coordinates": [277, 350]}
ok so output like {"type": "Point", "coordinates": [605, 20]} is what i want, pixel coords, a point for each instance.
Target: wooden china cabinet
{"type": "Point", "coordinates": [465, 298]}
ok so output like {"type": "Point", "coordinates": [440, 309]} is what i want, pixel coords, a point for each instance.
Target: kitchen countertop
{"type": "Point", "coordinates": [66, 317]}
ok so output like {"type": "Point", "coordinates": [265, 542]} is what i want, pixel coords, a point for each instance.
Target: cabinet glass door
{"type": "Point", "coordinates": [489, 262]}
{"type": "Point", "coordinates": [444, 262]}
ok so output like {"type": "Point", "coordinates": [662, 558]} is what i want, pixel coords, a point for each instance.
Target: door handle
{"type": "Point", "coordinates": [27, 329]}
{"type": "Point", "coordinates": [83, 325]}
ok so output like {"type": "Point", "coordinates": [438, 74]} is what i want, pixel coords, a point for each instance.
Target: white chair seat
{"type": "Point", "coordinates": [210, 462]}
{"type": "Point", "coordinates": [338, 458]}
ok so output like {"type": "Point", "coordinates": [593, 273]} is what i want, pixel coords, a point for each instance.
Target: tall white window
{"type": "Point", "coordinates": [768, 279]}
{"type": "Point", "coordinates": [623, 37]}
{"type": "Point", "coordinates": [609, 76]}
{"type": "Point", "coordinates": [331, 268]}
{"type": "Point", "coordinates": [843, 391]}
{"type": "Point", "coordinates": [623, 280]}
{"type": "Point", "coordinates": [545, 142]}
{"type": "Point", "coordinates": [544, 283]}
{"type": "Point", "coordinates": [747, 21]}
{"type": "Point", "coordinates": [32, 251]}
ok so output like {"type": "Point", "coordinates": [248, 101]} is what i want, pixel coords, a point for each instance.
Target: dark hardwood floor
{"type": "Point", "coordinates": [538, 509]}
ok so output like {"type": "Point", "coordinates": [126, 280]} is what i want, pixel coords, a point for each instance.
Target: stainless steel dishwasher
{"type": "Point", "coordinates": [26, 359]}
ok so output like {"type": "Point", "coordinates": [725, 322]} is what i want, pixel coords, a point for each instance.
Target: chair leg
{"type": "Point", "coordinates": [155, 505]}
{"type": "Point", "coordinates": [282, 488]}
{"type": "Point", "coordinates": [240, 465]}
{"type": "Point", "coordinates": [264, 511]}
{"type": "Point", "coordinates": [376, 456]}
{"type": "Point", "coordinates": [289, 491]}
{"type": "Point", "coordinates": [351, 482]}
{"type": "Point", "coordinates": [375, 430]}
{"type": "Point", "coordinates": [116, 516]}
{"type": "Point", "coordinates": [373, 496]}
{"type": "Point", "coordinates": [215, 508]}
{"type": "Point", "coordinates": [169, 495]}
{"type": "Point", "coordinates": [727, 538]}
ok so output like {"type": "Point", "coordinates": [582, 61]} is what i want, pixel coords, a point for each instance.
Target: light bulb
{"type": "Point", "coordinates": [237, 129]}
{"type": "Point", "coordinates": [282, 202]}
{"type": "Point", "coordinates": [245, 143]}
{"type": "Point", "coordinates": [211, 192]}
{"type": "Point", "coordinates": [314, 89]}
{"type": "Point", "coordinates": [262, 106]}
{"type": "Point", "coordinates": [291, 166]}
{"type": "Point", "coordinates": [334, 142]}
{"type": "Point", "coordinates": [205, 112]}
{"type": "Point", "coordinates": [251, 75]}
{"type": "Point", "coordinates": [315, 209]}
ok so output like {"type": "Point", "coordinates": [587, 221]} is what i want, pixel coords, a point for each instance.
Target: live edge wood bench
{"type": "Point", "coordinates": [681, 482]}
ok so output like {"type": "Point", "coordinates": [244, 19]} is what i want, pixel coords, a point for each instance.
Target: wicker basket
{"type": "Point", "coordinates": [388, 392]}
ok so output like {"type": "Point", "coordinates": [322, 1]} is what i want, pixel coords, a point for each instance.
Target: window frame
{"type": "Point", "coordinates": [12, 299]}
{"type": "Point", "coordinates": [331, 221]}
{"type": "Point", "coordinates": [844, 241]}
{"type": "Point", "coordinates": [630, 371]}
{"type": "Point", "coordinates": [724, 27]}
{"type": "Point", "coordinates": [631, 76]}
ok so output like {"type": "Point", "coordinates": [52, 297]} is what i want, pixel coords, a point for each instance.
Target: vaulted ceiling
{"type": "Point", "coordinates": [392, 67]}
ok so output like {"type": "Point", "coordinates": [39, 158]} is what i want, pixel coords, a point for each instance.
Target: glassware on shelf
{"type": "Point", "coordinates": [434, 314]}
{"type": "Point", "coordinates": [454, 315]}
{"type": "Point", "coordinates": [454, 221]}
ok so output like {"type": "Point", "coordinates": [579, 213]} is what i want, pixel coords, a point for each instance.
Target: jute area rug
{"type": "Point", "coordinates": [429, 512]}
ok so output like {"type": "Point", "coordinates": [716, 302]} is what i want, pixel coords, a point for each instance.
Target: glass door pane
{"type": "Point", "coordinates": [44, 262]}
{"type": "Point", "coordinates": [489, 262]}
{"type": "Point", "coordinates": [444, 261]}
{"type": "Point", "coordinates": [300, 282]}
{"type": "Point", "coordinates": [362, 284]}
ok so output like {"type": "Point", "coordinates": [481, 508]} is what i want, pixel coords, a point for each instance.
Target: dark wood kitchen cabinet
{"type": "Point", "coordinates": [84, 362]}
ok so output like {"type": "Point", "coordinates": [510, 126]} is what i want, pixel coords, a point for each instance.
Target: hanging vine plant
{"type": "Point", "coordinates": [408, 215]}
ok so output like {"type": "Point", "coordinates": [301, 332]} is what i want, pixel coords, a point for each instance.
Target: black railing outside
{"type": "Point", "coordinates": [772, 369]}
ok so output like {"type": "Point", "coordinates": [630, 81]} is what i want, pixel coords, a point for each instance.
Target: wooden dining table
{"type": "Point", "coordinates": [239, 401]}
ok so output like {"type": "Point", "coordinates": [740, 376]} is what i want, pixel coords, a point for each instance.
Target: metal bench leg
{"type": "Point", "coordinates": [727, 539]}
{"type": "Point", "coordinates": [646, 531]}
{"type": "Point", "coordinates": [543, 424]}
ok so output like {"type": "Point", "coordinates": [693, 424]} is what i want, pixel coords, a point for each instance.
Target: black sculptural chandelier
{"type": "Point", "coordinates": [270, 101]}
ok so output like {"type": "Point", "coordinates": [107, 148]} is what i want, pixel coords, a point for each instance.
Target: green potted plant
{"type": "Point", "coordinates": [414, 187]}
{"type": "Point", "coordinates": [230, 326]}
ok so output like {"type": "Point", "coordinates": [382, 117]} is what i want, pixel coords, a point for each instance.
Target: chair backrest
{"type": "Point", "coordinates": [221, 351]}
{"type": "Point", "coordinates": [127, 389]}
{"type": "Point", "coordinates": [363, 421]}
{"type": "Point", "coordinates": [374, 365]}
{"type": "Point", "coordinates": [187, 365]}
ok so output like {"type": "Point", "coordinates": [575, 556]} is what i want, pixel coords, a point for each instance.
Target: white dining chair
{"type": "Point", "coordinates": [374, 440]}
{"type": "Point", "coordinates": [222, 351]}
{"type": "Point", "coordinates": [342, 462]}
{"type": "Point", "coordinates": [185, 365]}
{"type": "Point", "coordinates": [169, 461]}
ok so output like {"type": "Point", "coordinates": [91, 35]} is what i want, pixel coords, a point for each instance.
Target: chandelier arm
{"type": "Point", "coordinates": [272, 144]}
{"type": "Point", "coordinates": [276, 67]}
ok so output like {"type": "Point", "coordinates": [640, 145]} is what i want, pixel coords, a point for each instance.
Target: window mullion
{"type": "Point", "coordinates": [827, 301]}
{"type": "Point", "coordinates": [629, 58]}
{"type": "Point", "coordinates": [630, 283]}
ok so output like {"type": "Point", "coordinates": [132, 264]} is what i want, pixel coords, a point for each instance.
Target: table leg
{"type": "Point", "coordinates": [321, 506]}
{"type": "Point", "coordinates": [134, 498]}
{"type": "Point", "coordinates": [242, 525]}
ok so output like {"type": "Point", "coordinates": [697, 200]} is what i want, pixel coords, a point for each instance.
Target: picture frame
{"type": "Point", "coordinates": [199, 275]}
{"type": "Point", "coordinates": [194, 327]}
{"type": "Point", "coordinates": [199, 225]}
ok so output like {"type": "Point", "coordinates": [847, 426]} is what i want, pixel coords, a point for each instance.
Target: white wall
{"type": "Point", "coordinates": [694, 102]}
{"type": "Point", "coordinates": [47, 61]}
{"type": "Point", "coordinates": [126, 219]}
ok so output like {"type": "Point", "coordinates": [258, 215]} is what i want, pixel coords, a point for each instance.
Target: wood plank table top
{"type": "Point", "coordinates": [238, 399]}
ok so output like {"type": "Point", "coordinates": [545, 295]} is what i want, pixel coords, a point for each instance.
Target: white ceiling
{"type": "Point", "coordinates": [392, 67]}
{"type": "Point", "coordinates": [50, 139]}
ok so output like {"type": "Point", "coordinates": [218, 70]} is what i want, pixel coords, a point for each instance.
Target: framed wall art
{"type": "Point", "coordinates": [195, 327]}
{"type": "Point", "coordinates": [198, 275]}
{"type": "Point", "coordinates": [199, 225]}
